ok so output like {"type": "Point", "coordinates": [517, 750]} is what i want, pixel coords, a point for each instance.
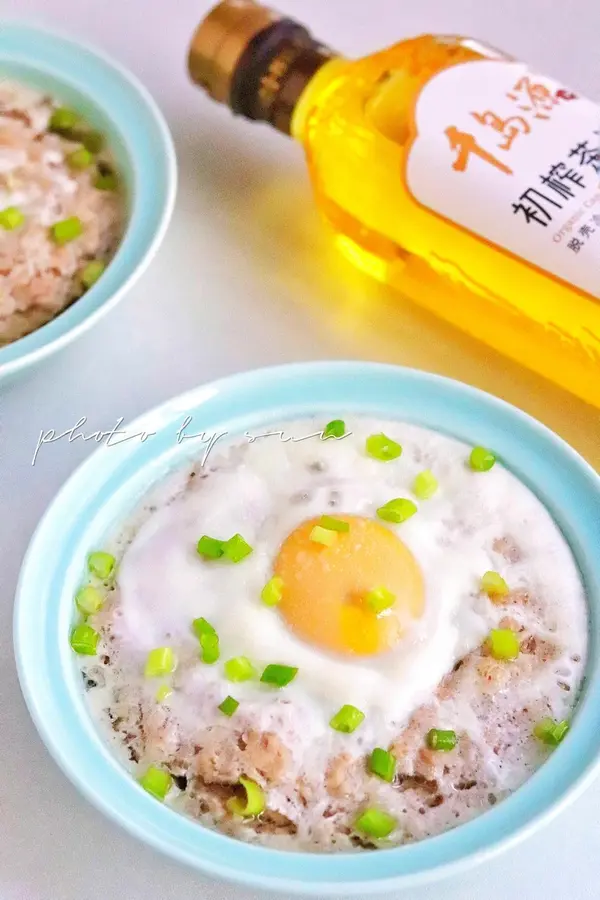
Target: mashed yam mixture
{"type": "Point", "coordinates": [46, 178]}
{"type": "Point", "coordinates": [424, 664]}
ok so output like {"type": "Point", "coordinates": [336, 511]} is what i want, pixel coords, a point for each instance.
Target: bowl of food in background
{"type": "Point", "coordinates": [325, 629]}
{"type": "Point", "coordinates": [87, 186]}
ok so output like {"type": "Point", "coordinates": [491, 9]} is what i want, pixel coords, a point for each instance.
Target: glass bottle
{"type": "Point", "coordinates": [445, 168]}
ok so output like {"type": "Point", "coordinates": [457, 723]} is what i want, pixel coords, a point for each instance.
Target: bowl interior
{"type": "Point", "coordinates": [107, 487]}
{"type": "Point", "coordinates": [118, 106]}
{"type": "Point", "coordinates": [68, 93]}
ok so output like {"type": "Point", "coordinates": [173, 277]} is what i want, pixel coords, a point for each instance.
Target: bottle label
{"type": "Point", "coordinates": [514, 158]}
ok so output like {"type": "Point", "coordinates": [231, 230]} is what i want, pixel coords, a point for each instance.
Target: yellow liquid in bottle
{"type": "Point", "coordinates": [354, 120]}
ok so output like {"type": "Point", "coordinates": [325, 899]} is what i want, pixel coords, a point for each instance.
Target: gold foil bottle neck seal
{"type": "Point", "coordinates": [220, 41]}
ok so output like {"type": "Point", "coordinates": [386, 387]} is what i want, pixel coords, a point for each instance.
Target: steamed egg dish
{"type": "Point", "coordinates": [340, 633]}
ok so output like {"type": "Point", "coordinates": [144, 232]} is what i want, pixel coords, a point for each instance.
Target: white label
{"type": "Point", "coordinates": [515, 159]}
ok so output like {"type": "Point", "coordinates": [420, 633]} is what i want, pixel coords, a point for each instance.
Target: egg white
{"type": "Point", "coordinates": [265, 490]}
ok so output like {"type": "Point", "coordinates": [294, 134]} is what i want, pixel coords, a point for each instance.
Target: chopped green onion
{"type": "Point", "coordinates": [252, 804]}
{"type": "Point", "coordinates": [334, 429]}
{"type": "Point", "coordinates": [323, 536]}
{"type": "Point", "coordinates": [397, 511]}
{"type": "Point", "coordinates": [156, 782]}
{"type": "Point", "coordinates": [550, 732]}
{"type": "Point", "coordinates": [493, 584]}
{"type": "Point", "coordinates": [236, 549]}
{"type": "Point", "coordinates": [89, 600]}
{"type": "Point", "coordinates": [201, 627]}
{"type": "Point", "coordinates": [383, 764]}
{"type": "Point", "coordinates": [380, 599]}
{"type": "Point", "coordinates": [92, 140]}
{"type": "Point", "coordinates": [481, 460]}
{"type": "Point", "coordinates": [63, 119]}
{"type": "Point", "coordinates": [239, 669]}
{"type": "Point", "coordinates": [101, 564]}
{"type": "Point", "coordinates": [437, 739]}
{"type": "Point", "coordinates": [106, 182]}
{"type": "Point", "coordinates": [333, 524]}
{"type": "Point", "coordinates": [11, 218]}
{"type": "Point", "coordinates": [347, 719]}
{"type": "Point", "coordinates": [209, 645]}
{"type": "Point", "coordinates": [159, 662]}
{"type": "Point", "coordinates": [210, 548]}
{"type": "Point", "coordinates": [559, 731]}
{"type": "Point", "coordinates": [163, 692]}
{"type": "Point", "coordinates": [376, 823]}
{"type": "Point", "coordinates": [278, 675]}
{"type": "Point", "coordinates": [84, 640]}
{"type": "Point", "coordinates": [503, 643]}
{"type": "Point", "coordinates": [79, 159]}
{"type": "Point", "coordinates": [67, 230]}
{"type": "Point", "coordinates": [272, 592]}
{"type": "Point", "coordinates": [383, 448]}
{"type": "Point", "coordinates": [425, 485]}
{"type": "Point", "coordinates": [92, 272]}
{"type": "Point", "coordinates": [229, 706]}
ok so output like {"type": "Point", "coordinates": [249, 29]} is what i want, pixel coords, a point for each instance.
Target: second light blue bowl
{"type": "Point", "coordinates": [103, 492]}
{"type": "Point", "coordinates": [115, 103]}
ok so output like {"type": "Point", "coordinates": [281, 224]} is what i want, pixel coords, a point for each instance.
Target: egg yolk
{"type": "Point", "coordinates": [325, 587]}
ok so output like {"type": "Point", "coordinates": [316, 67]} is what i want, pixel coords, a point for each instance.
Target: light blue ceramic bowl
{"type": "Point", "coordinates": [106, 488]}
{"type": "Point", "coordinates": [119, 106]}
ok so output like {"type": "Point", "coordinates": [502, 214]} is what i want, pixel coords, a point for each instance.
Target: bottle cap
{"type": "Point", "coordinates": [220, 41]}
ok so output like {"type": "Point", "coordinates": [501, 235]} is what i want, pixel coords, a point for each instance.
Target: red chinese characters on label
{"type": "Point", "coordinates": [522, 156]}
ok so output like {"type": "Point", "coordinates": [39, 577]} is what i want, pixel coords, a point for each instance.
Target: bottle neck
{"type": "Point", "coordinates": [273, 72]}
{"type": "Point", "coordinates": [255, 60]}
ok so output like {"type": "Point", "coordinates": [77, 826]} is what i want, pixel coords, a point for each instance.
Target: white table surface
{"type": "Point", "coordinates": [246, 277]}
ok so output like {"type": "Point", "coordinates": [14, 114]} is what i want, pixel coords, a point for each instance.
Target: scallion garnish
{"type": "Point", "coordinates": [481, 459]}
{"type": "Point", "coordinates": [89, 600]}
{"type": "Point", "coordinates": [11, 218]}
{"type": "Point", "coordinates": [397, 511]}
{"type": "Point", "coordinates": [210, 650]}
{"type": "Point", "coordinates": [440, 739]}
{"type": "Point", "coordinates": [334, 429]}
{"type": "Point", "coordinates": [333, 524]}
{"type": "Point", "coordinates": [209, 547]}
{"type": "Point", "coordinates": [375, 823]}
{"type": "Point", "coordinates": [156, 782]}
{"type": "Point", "coordinates": [91, 272]}
{"type": "Point", "coordinates": [383, 448]}
{"type": "Point", "coordinates": [278, 675]}
{"type": "Point", "coordinates": [272, 592]}
{"type": "Point", "coordinates": [252, 804]}
{"type": "Point", "coordinates": [383, 764]}
{"type": "Point", "coordinates": [425, 485]}
{"type": "Point", "coordinates": [84, 640]}
{"type": "Point", "coordinates": [550, 732]}
{"type": "Point", "coordinates": [494, 585]}
{"type": "Point", "coordinates": [201, 627]}
{"type": "Point", "coordinates": [101, 564]}
{"type": "Point", "coordinates": [106, 182]}
{"type": "Point", "coordinates": [80, 159]}
{"type": "Point", "coordinates": [236, 549]}
{"type": "Point", "coordinates": [63, 119]}
{"type": "Point", "coordinates": [160, 661]}
{"type": "Point", "coordinates": [67, 230]}
{"type": "Point", "coordinates": [347, 719]}
{"type": "Point", "coordinates": [229, 706]}
{"type": "Point", "coordinates": [503, 643]}
{"type": "Point", "coordinates": [163, 692]}
{"type": "Point", "coordinates": [239, 669]}
{"type": "Point", "coordinates": [325, 536]}
{"type": "Point", "coordinates": [379, 600]}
